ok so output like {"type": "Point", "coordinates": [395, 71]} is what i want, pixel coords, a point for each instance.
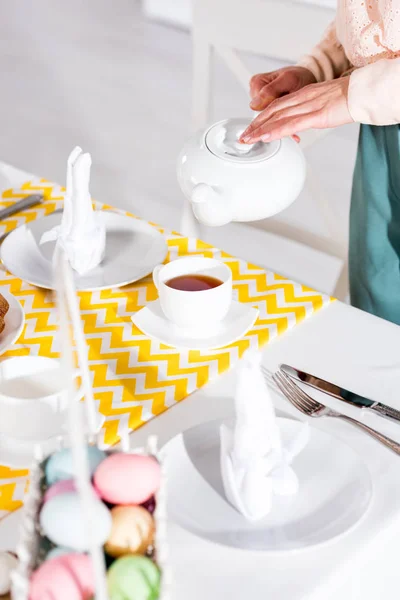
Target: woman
{"type": "Point", "coordinates": [352, 75]}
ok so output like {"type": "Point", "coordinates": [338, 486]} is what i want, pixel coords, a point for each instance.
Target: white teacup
{"type": "Point", "coordinates": [33, 400]}
{"type": "Point", "coordinates": [195, 311]}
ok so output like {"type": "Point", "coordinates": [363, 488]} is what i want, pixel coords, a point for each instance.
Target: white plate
{"type": "Point", "coordinates": [14, 322]}
{"type": "Point", "coordinates": [133, 249]}
{"type": "Point", "coordinates": [335, 492]}
{"type": "Point", "coordinates": [152, 321]}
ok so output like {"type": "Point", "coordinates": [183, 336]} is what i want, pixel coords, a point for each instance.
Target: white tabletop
{"type": "Point", "coordinates": [356, 351]}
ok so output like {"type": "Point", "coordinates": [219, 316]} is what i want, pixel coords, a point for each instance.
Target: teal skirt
{"type": "Point", "coordinates": [374, 254]}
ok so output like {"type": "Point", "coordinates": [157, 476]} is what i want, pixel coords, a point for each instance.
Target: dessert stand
{"type": "Point", "coordinates": [83, 428]}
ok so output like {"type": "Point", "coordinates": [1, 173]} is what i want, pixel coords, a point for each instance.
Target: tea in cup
{"type": "Point", "coordinates": [195, 292]}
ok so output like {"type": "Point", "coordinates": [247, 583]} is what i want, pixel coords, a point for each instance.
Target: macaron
{"type": "Point", "coordinates": [132, 531]}
{"type": "Point", "coordinates": [68, 577]}
{"type": "Point", "coordinates": [8, 563]}
{"type": "Point", "coordinates": [63, 521]}
{"type": "Point", "coordinates": [60, 464]}
{"type": "Point", "coordinates": [61, 487]}
{"type": "Point", "coordinates": [133, 578]}
{"type": "Point", "coordinates": [127, 478]}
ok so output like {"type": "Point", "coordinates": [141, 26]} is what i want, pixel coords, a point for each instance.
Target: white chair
{"type": "Point", "coordinates": [270, 28]}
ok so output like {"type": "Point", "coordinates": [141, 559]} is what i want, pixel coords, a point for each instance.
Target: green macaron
{"type": "Point", "coordinates": [133, 578]}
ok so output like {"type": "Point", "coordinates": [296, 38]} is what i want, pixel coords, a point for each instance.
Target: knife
{"type": "Point", "coordinates": [342, 394]}
{"type": "Point", "coordinates": [21, 205]}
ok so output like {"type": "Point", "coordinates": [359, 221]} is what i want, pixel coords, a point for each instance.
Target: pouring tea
{"type": "Point", "coordinates": [226, 181]}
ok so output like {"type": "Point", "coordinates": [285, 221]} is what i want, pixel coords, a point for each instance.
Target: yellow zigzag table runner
{"type": "Point", "coordinates": [134, 377]}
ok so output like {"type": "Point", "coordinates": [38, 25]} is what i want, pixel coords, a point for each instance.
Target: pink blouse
{"type": "Point", "coordinates": [364, 40]}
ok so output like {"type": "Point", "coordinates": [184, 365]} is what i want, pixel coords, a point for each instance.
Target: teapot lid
{"type": "Point", "coordinates": [222, 141]}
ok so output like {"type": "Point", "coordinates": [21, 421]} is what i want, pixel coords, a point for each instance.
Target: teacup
{"type": "Point", "coordinates": [199, 311]}
{"type": "Point", "coordinates": [33, 400]}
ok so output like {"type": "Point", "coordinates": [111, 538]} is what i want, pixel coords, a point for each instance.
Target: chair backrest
{"type": "Point", "coordinates": [284, 29]}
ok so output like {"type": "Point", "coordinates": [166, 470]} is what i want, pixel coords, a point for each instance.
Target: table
{"type": "Point", "coordinates": [357, 351]}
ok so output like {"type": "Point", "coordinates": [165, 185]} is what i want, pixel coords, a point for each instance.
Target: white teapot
{"type": "Point", "coordinates": [226, 181]}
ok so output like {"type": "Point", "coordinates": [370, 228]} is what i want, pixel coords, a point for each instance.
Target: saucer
{"type": "Point", "coordinates": [133, 249]}
{"type": "Point", "coordinates": [152, 322]}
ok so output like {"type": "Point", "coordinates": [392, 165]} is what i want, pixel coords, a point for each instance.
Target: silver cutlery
{"type": "Point", "coordinates": [312, 408]}
{"type": "Point", "coordinates": [342, 394]}
{"type": "Point", "coordinates": [21, 205]}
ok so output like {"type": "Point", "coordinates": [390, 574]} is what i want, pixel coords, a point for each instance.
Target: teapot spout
{"type": "Point", "coordinates": [209, 207]}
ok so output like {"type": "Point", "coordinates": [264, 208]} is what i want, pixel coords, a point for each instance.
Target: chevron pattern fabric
{"type": "Point", "coordinates": [136, 378]}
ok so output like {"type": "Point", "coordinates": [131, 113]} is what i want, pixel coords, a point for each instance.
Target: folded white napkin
{"type": "Point", "coordinates": [255, 464]}
{"type": "Point", "coordinates": [80, 235]}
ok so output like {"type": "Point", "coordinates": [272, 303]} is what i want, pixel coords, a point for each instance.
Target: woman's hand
{"type": "Point", "coordinates": [267, 87]}
{"type": "Point", "coordinates": [316, 106]}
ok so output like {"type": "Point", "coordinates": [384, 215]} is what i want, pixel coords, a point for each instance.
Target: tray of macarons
{"type": "Point", "coordinates": [129, 517]}
{"type": "Point", "coordinates": [94, 520]}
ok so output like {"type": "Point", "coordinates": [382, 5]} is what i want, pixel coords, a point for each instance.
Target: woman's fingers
{"type": "Point", "coordinates": [279, 115]}
{"type": "Point", "coordinates": [290, 101]}
{"type": "Point", "coordinates": [257, 82]}
{"type": "Point", "coordinates": [271, 91]}
{"type": "Point", "coordinates": [266, 88]}
{"type": "Point", "coordinates": [316, 106]}
{"type": "Point", "coordinates": [277, 129]}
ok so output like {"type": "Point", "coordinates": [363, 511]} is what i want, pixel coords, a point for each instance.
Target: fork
{"type": "Point", "coordinates": [312, 408]}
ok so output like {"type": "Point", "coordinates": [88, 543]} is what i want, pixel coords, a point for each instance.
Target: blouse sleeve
{"type": "Point", "coordinates": [328, 59]}
{"type": "Point", "coordinates": [374, 93]}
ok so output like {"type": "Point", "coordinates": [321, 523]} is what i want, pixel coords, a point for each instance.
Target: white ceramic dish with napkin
{"type": "Point", "coordinates": [81, 234]}
{"type": "Point", "coordinates": [133, 249]}
{"type": "Point", "coordinates": [104, 249]}
{"type": "Point", "coordinates": [334, 494]}
{"type": "Point", "coordinates": [256, 464]}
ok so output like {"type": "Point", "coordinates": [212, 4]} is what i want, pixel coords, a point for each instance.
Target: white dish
{"type": "Point", "coordinates": [14, 322]}
{"type": "Point", "coordinates": [335, 492]}
{"type": "Point", "coordinates": [152, 321]}
{"type": "Point", "coordinates": [33, 407]}
{"type": "Point", "coordinates": [133, 249]}
{"type": "Point", "coordinates": [33, 400]}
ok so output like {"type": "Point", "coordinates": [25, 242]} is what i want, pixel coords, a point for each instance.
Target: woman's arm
{"type": "Point", "coordinates": [322, 104]}
{"type": "Point", "coordinates": [374, 93]}
{"type": "Point", "coordinates": [328, 59]}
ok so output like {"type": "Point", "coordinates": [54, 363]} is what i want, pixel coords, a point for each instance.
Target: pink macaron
{"type": "Point", "coordinates": [67, 577]}
{"type": "Point", "coordinates": [61, 487]}
{"type": "Point", "coordinates": [127, 478]}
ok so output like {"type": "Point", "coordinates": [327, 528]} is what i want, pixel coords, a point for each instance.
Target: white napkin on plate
{"type": "Point", "coordinates": [255, 464]}
{"type": "Point", "coordinates": [80, 235]}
